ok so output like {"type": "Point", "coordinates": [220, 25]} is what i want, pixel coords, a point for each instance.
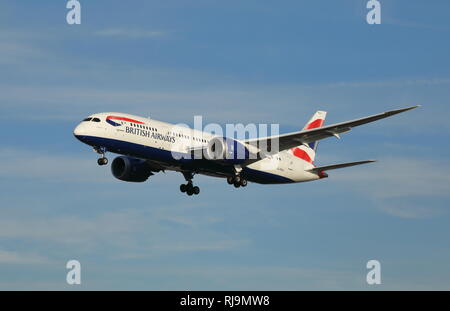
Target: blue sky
{"type": "Point", "coordinates": [230, 61]}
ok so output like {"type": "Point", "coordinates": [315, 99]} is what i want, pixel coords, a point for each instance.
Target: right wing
{"type": "Point", "coordinates": [291, 140]}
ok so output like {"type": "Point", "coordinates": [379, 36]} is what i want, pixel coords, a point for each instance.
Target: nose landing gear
{"type": "Point", "coordinates": [103, 160]}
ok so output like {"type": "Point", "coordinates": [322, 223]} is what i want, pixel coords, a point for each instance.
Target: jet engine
{"type": "Point", "coordinates": [130, 169]}
{"type": "Point", "coordinates": [227, 150]}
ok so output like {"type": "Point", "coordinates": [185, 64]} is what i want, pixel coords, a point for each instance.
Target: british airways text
{"type": "Point", "coordinates": [150, 134]}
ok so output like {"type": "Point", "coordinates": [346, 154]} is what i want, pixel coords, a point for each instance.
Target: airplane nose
{"type": "Point", "coordinates": [76, 131]}
{"type": "Point", "coordinates": [79, 131]}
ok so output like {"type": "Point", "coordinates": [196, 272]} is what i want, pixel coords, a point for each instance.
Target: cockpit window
{"type": "Point", "coordinates": [87, 119]}
{"type": "Point", "coordinates": [95, 120]}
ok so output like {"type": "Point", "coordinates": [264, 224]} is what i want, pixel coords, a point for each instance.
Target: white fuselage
{"type": "Point", "coordinates": [158, 142]}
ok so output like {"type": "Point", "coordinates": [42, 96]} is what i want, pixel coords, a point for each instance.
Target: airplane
{"type": "Point", "coordinates": [148, 146]}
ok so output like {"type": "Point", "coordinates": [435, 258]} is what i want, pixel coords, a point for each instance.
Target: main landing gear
{"type": "Point", "coordinates": [103, 160]}
{"type": "Point", "coordinates": [189, 188]}
{"type": "Point", "coordinates": [237, 181]}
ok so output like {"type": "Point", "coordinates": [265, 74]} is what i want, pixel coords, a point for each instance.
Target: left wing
{"type": "Point", "coordinates": [291, 140]}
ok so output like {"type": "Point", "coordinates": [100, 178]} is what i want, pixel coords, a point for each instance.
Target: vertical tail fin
{"type": "Point", "coordinates": [307, 152]}
{"type": "Point", "coordinates": [317, 120]}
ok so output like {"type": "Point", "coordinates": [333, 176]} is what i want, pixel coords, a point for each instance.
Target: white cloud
{"type": "Point", "coordinates": [15, 53]}
{"type": "Point", "coordinates": [410, 211]}
{"type": "Point", "coordinates": [130, 33]}
{"type": "Point", "coordinates": [70, 230]}
{"type": "Point", "coordinates": [387, 83]}
{"type": "Point", "coordinates": [28, 164]}
{"type": "Point", "coordinates": [11, 257]}
{"type": "Point", "coordinates": [257, 277]}
{"type": "Point", "coordinates": [409, 188]}
{"type": "Point", "coordinates": [127, 234]}
{"type": "Point", "coordinates": [255, 104]}
{"type": "Point", "coordinates": [400, 177]}
{"type": "Point", "coordinates": [180, 94]}
{"type": "Point", "coordinates": [219, 245]}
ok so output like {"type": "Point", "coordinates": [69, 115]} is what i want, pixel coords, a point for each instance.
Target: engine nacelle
{"type": "Point", "coordinates": [130, 169]}
{"type": "Point", "coordinates": [227, 149]}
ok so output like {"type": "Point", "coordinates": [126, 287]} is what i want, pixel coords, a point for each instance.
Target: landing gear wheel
{"type": "Point", "coordinates": [183, 188]}
{"type": "Point", "coordinates": [102, 161]}
{"type": "Point", "coordinates": [196, 190]}
{"type": "Point", "coordinates": [190, 191]}
{"type": "Point", "coordinates": [237, 181]}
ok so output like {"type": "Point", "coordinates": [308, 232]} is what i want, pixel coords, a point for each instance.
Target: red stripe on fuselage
{"type": "Point", "coordinates": [299, 153]}
{"type": "Point", "coordinates": [124, 119]}
{"type": "Point", "coordinates": [314, 124]}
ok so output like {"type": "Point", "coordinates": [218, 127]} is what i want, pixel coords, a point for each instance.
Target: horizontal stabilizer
{"type": "Point", "coordinates": [341, 165]}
